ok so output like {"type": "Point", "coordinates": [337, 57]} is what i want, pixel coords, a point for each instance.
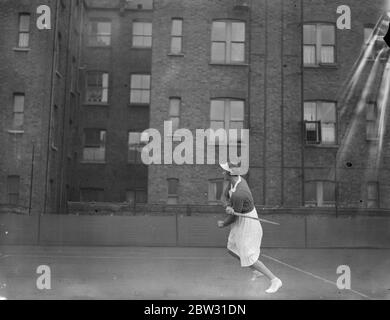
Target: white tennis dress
{"type": "Point", "coordinates": [245, 237]}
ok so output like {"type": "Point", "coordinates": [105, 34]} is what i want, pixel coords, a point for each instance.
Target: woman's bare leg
{"type": "Point", "coordinates": [276, 283]}
{"type": "Point", "coordinates": [256, 272]}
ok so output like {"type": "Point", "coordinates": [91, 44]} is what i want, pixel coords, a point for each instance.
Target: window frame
{"type": "Point", "coordinates": [15, 125]}
{"type": "Point", "coordinates": [90, 35]}
{"type": "Point", "coordinates": [141, 35]}
{"type": "Point", "coordinates": [320, 192]}
{"type": "Point", "coordinates": [174, 36]}
{"type": "Point", "coordinates": [228, 42]}
{"type": "Point", "coordinates": [175, 116]}
{"type": "Point", "coordinates": [87, 86]}
{"type": "Point", "coordinates": [85, 146]}
{"type": "Point", "coordinates": [138, 147]}
{"type": "Point", "coordinates": [317, 102]}
{"type": "Point", "coordinates": [20, 32]}
{"type": "Point", "coordinates": [10, 193]}
{"type": "Point", "coordinates": [136, 191]}
{"type": "Point", "coordinates": [227, 119]}
{"type": "Point", "coordinates": [377, 193]}
{"type": "Point", "coordinates": [172, 198]}
{"type": "Point", "coordinates": [318, 45]}
{"type": "Point", "coordinates": [212, 182]}
{"type": "Point", "coordinates": [141, 89]}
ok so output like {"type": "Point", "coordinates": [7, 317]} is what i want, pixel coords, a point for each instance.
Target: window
{"type": "Point", "coordinates": [91, 195]}
{"type": "Point", "coordinates": [372, 195]}
{"type": "Point", "coordinates": [216, 189]}
{"type": "Point", "coordinates": [228, 42]}
{"type": "Point", "coordinates": [372, 123]}
{"type": "Point", "coordinates": [94, 145]}
{"type": "Point", "coordinates": [136, 196]}
{"type": "Point", "coordinates": [136, 142]}
{"type": "Point", "coordinates": [97, 87]}
{"type": "Point", "coordinates": [172, 190]}
{"type": "Point", "coordinates": [13, 189]}
{"type": "Point", "coordinates": [18, 111]}
{"type": "Point", "coordinates": [99, 33]}
{"type": "Point", "coordinates": [227, 114]}
{"type": "Point", "coordinates": [319, 44]}
{"type": "Point", "coordinates": [174, 112]}
{"type": "Point", "coordinates": [320, 122]}
{"type": "Point", "coordinates": [320, 193]}
{"type": "Point", "coordinates": [140, 88]}
{"type": "Point", "coordinates": [177, 36]}
{"type": "Point", "coordinates": [142, 34]}
{"type": "Point", "coordinates": [24, 30]}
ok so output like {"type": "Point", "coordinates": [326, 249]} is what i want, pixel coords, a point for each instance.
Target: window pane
{"type": "Point", "coordinates": [104, 28]}
{"type": "Point", "coordinates": [236, 110]}
{"type": "Point", "coordinates": [327, 112]}
{"type": "Point", "coordinates": [327, 54]}
{"type": "Point", "coordinates": [147, 41]}
{"type": "Point", "coordinates": [311, 192]}
{"type": "Point", "coordinates": [172, 186]}
{"type": "Point", "coordinates": [130, 197]}
{"type": "Point", "coordinates": [309, 54]}
{"type": "Point", "coordinates": [92, 137]}
{"type": "Point", "coordinates": [147, 31]}
{"type": "Point", "coordinates": [18, 119]}
{"type": "Point", "coordinates": [174, 107]}
{"type": "Point", "coordinates": [309, 34]}
{"type": "Point", "coordinates": [23, 40]}
{"type": "Point", "coordinates": [145, 82]}
{"type": "Point", "coordinates": [145, 96]}
{"type": "Point", "coordinates": [372, 191]}
{"type": "Point", "coordinates": [238, 31]}
{"type": "Point", "coordinates": [18, 103]}
{"type": "Point", "coordinates": [328, 133]}
{"type": "Point", "coordinates": [329, 192]}
{"type": "Point", "coordinates": [218, 31]}
{"type": "Point", "coordinates": [24, 22]}
{"type": "Point", "coordinates": [238, 52]}
{"type": "Point", "coordinates": [176, 45]}
{"type": "Point", "coordinates": [105, 80]}
{"type": "Point", "coordinates": [134, 138]}
{"type": "Point", "coordinates": [310, 111]}
{"type": "Point", "coordinates": [136, 81]}
{"type": "Point", "coordinates": [141, 196]}
{"type": "Point", "coordinates": [136, 95]}
{"type": "Point", "coordinates": [177, 25]}
{"type": "Point", "coordinates": [217, 110]}
{"type": "Point", "coordinates": [215, 125]}
{"type": "Point", "coordinates": [138, 41]}
{"type": "Point", "coordinates": [327, 34]}
{"type": "Point", "coordinates": [218, 51]}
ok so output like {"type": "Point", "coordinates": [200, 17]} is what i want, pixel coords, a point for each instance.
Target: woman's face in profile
{"type": "Point", "coordinates": [226, 175]}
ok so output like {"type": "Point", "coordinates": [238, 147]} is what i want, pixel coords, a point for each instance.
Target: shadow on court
{"type": "Point", "coordinates": [189, 273]}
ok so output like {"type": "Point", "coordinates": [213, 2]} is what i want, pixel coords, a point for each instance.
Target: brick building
{"type": "Point", "coordinates": [276, 67]}
{"type": "Point", "coordinates": [39, 101]}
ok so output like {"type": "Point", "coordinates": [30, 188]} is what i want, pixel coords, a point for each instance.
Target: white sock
{"type": "Point", "coordinates": [275, 285]}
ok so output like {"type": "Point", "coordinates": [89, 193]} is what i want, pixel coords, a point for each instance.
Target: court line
{"type": "Point", "coordinates": [4, 256]}
{"type": "Point", "coordinates": [114, 257]}
{"type": "Point", "coordinates": [313, 275]}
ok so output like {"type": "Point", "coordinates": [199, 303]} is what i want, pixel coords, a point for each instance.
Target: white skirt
{"type": "Point", "coordinates": [245, 238]}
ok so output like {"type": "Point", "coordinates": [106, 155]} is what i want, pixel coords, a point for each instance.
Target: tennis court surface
{"type": "Point", "coordinates": [189, 273]}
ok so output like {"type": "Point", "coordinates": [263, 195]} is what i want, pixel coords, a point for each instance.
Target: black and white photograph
{"type": "Point", "coordinates": [197, 150]}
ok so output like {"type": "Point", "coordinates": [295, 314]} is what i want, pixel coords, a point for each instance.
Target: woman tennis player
{"type": "Point", "coordinates": [245, 234]}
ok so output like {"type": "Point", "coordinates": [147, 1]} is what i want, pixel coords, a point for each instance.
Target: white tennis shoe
{"type": "Point", "coordinates": [276, 284]}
